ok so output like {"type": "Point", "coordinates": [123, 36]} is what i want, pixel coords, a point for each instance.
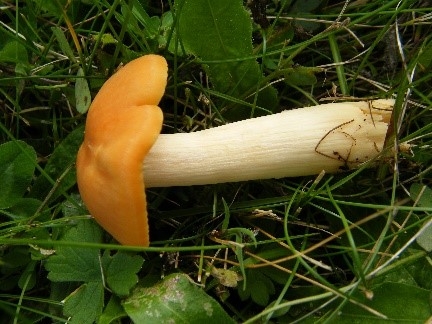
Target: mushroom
{"type": "Point", "coordinates": [122, 124]}
{"type": "Point", "coordinates": [331, 137]}
{"type": "Point", "coordinates": [123, 151]}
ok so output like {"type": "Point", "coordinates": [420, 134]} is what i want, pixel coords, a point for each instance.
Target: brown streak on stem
{"type": "Point", "coordinates": [339, 157]}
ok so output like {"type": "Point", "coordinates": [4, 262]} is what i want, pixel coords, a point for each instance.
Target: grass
{"type": "Point", "coordinates": [353, 246]}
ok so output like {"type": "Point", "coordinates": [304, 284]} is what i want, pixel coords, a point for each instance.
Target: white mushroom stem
{"type": "Point", "coordinates": [330, 137]}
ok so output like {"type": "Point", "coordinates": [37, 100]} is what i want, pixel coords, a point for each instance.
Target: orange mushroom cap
{"type": "Point", "coordinates": [122, 125]}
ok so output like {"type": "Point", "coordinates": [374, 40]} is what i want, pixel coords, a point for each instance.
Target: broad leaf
{"type": "Point", "coordinates": [421, 194]}
{"type": "Point", "coordinates": [80, 264]}
{"type": "Point", "coordinates": [85, 264]}
{"type": "Point", "coordinates": [259, 287]}
{"type": "Point", "coordinates": [398, 302]}
{"type": "Point", "coordinates": [301, 75]}
{"type": "Point", "coordinates": [82, 93]}
{"type": "Point", "coordinates": [14, 52]}
{"type": "Point", "coordinates": [175, 300]}
{"type": "Point", "coordinates": [221, 31]}
{"type": "Point", "coordinates": [24, 208]}
{"type": "Point", "coordinates": [425, 200]}
{"type": "Point", "coordinates": [63, 43]}
{"type": "Point", "coordinates": [120, 271]}
{"type": "Point", "coordinates": [17, 164]}
{"type": "Point", "coordinates": [151, 24]}
{"type": "Point", "coordinates": [77, 263]}
{"type": "Point", "coordinates": [113, 312]}
{"type": "Point", "coordinates": [425, 239]}
{"type": "Point", "coordinates": [60, 167]}
{"type": "Point", "coordinates": [85, 304]}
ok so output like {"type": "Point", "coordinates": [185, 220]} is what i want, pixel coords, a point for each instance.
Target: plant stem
{"type": "Point", "coordinates": [339, 67]}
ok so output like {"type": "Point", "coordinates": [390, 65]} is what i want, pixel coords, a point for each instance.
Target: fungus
{"type": "Point", "coordinates": [299, 142]}
{"type": "Point", "coordinates": [123, 151]}
{"type": "Point", "coordinates": [122, 124]}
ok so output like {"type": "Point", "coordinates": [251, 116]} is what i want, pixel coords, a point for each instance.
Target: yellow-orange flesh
{"type": "Point", "coordinates": [122, 124]}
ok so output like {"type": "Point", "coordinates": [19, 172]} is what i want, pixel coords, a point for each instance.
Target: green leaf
{"type": "Point", "coordinates": [220, 31]}
{"type": "Point", "coordinates": [77, 263]}
{"type": "Point", "coordinates": [17, 164]}
{"type": "Point", "coordinates": [305, 7]}
{"type": "Point", "coordinates": [121, 271]}
{"type": "Point", "coordinates": [167, 33]}
{"type": "Point", "coordinates": [82, 93]}
{"type": "Point", "coordinates": [112, 312]}
{"type": "Point", "coordinates": [84, 264]}
{"type": "Point", "coordinates": [63, 43]}
{"type": "Point", "coordinates": [85, 304]}
{"type": "Point", "coordinates": [399, 302]}
{"type": "Point", "coordinates": [215, 29]}
{"type": "Point", "coordinates": [259, 287]}
{"type": "Point", "coordinates": [277, 275]}
{"type": "Point", "coordinates": [280, 312]}
{"type": "Point", "coordinates": [108, 39]}
{"type": "Point", "coordinates": [425, 200]}
{"type": "Point", "coordinates": [51, 7]}
{"type": "Point", "coordinates": [73, 206]}
{"type": "Point", "coordinates": [151, 24]}
{"type": "Point", "coordinates": [421, 271]}
{"type": "Point", "coordinates": [226, 277]}
{"type": "Point", "coordinates": [425, 57]}
{"type": "Point", "coordinates": [425, 238]}
{"type": "Point", "coordinates": [301, 75]}
{"type": "Point", "coordinates": [239, 234]}
{"type": "Point", "coordinates": [14, 52]}
{"type": "Point", "coordinates": [175, 300]}
{"type": "Point", "coordinates": [227, 217]}
{"type": "Point", "coordinates": [28, 277]}
{"type": "Point", "coordinates": [59, 166]}
{"type": "Point", "coordinates": [23, 208]}
{"type": "Point", "coordinates": [13, 262]}
{"type": "Point", "coordinates": [423, 196]}
{"type": "Point", "coordinates": [80, 264]}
